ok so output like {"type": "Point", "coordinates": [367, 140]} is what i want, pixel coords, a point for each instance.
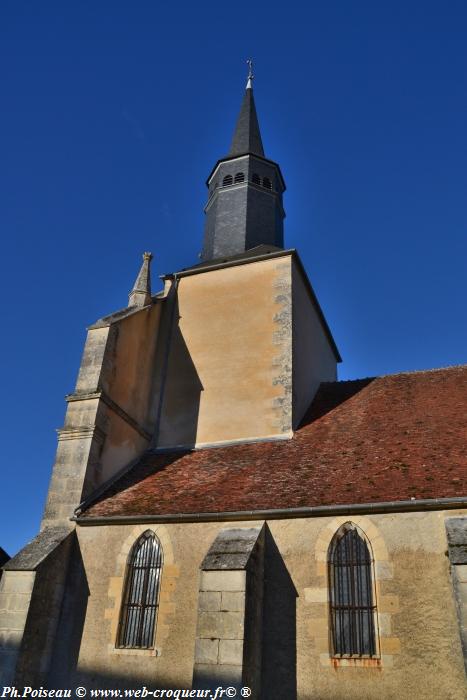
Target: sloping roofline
{"type": "Point", "coordinates": [352, 431]}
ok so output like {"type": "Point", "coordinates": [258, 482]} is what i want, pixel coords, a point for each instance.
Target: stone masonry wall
{"type": "Point", "coordinates": [107, 420]}
{"type": "Point", "coordinates": [419, 640]}
{"type": "Point", "coordinates": [230, 608]}
{"type": "Point", "coordinates": [15, 597]}
{"type": "Point", "coordinates": [456, 529]}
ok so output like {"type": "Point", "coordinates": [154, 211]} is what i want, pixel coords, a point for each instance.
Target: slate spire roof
{"type": "Point", "coordinates": [247, 137]}
{"type": "Point", "coordinates": [244, 208]}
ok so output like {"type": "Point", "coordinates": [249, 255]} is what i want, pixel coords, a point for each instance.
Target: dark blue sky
{"type": "Point", "coordinates": [112, 116]}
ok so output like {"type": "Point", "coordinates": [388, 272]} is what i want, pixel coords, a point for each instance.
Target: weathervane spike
{"type": "Point", "coordinates": [249, 84]}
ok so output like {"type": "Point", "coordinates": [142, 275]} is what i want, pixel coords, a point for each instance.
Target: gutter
{"type": "Point", "coordinates": [424, 504]}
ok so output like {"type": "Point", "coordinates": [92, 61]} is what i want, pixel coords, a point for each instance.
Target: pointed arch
{"type": "Point", "coordinates": [138, 614]}
{"type": "Point", "coordinates": [351, 594]}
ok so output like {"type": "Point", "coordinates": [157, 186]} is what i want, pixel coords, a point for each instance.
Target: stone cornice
{"type": "Point", "coordinates": [110, 403]}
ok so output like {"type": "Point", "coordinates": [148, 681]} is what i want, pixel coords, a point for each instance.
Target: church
{"type": "Point", "coordinates": [223, 513]}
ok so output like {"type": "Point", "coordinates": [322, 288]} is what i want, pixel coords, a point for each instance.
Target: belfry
{"type": "Point", "coordinates": [245, 188]}
{"type": "Point", "coordinates": [224, 517]}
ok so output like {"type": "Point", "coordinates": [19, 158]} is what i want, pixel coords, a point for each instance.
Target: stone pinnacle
{"type": "Point", "coordinates": [140, 295]}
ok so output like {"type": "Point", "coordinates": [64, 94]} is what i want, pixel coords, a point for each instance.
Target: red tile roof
{"type": "Point", "coordinates": [374, 440]}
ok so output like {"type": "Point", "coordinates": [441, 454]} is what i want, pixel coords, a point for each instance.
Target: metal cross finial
{"type": "Point", "coordinates": [250, 73]}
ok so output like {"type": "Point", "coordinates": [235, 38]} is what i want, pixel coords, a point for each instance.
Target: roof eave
{"type": "Point", "coordinates": [243, 155]}
{"type": "Point", "coordinates": [282, 513]}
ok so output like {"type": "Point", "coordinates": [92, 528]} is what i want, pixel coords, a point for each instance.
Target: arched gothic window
{"type": "Point", "coordinates": [141, 595]}
{"type": "Point", "coordinates": [228, 180]}
{"type": "Point", "coordinates": [352, 600]}
{"type": "Point", "coordinates": [239, 177]}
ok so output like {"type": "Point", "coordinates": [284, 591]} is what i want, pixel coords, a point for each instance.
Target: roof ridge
{"type": "Point", "coordinates": [398, 374]}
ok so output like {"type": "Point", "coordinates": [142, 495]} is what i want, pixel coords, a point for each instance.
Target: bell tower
{"type": "Point", "coordinates": [244, 207]}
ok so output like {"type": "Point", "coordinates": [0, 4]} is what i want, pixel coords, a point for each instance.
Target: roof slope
{"type": "Point", "coordinates": [247, 137]}
{"type": "Point", "coordinates": [391, 438]}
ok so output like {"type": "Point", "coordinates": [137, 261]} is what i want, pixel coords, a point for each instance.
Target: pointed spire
{"type": "Point", "coordinates": [140, 295]}
{"type": "Point", "coordinates": [247, 137]}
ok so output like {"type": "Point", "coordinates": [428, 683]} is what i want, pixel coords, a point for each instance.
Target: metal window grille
{"type": "Point", "coordinates": [141, 597]}
{"type": "Point", "coordinates": [353, 609]}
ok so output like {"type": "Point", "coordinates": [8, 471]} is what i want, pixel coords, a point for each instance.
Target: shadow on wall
{"type": "Point", "coordinates": [48, 571]}
{"type": "Point", "coordinates": [8, 657]}
{"type": "Point", "coordinates": [131, 680]}
{"type": "Point", "coordinates": [279, 638]}
{"type": "Point", "coordinates": [3, 560]}
{"type": "Point", "coordinates": [71, 623]}
{"type": "Point", "coordinates": [180, 391]}
{"type": "Point", "coordinates": [279, 662]}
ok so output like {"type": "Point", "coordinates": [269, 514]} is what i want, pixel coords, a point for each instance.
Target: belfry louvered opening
{"type": "Point", "coordinates": [352, 599]}
{"type": "Point", "coordinates": [239, 177]}
{"type": "Point", "coordinates": [141, 596]}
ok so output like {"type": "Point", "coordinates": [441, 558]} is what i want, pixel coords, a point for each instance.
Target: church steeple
{"type": "Point", "coordinates": [247, 136]}
{"type": "Point", "coordinates": [244, 208]}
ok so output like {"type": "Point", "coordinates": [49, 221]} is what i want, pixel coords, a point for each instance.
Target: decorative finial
{"type": "Point", "coordinates": [140, 295]}
{"type": "Point", "coordinates": [249, 83]}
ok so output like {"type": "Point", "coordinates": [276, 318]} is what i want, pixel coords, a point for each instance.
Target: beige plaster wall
{"type": "Point", "coordinates": [229, 373]}
{"type": "Point", "coordinates": [313, 358]}
{"type": "Point", "coordinates": [171, 662]}
{"type": "Point", "coordinates": [420, 650]}
{"type": "Point", "coordinates": [247, 354]}
{"type": "Point", "coordinates": [234, 354]}
{"type": "Point", "coordinates": [122, 445]}
{"type": "Point", "coordinates": [107, 423]}
{"type": "Point", "coordinates": [128, 368]}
